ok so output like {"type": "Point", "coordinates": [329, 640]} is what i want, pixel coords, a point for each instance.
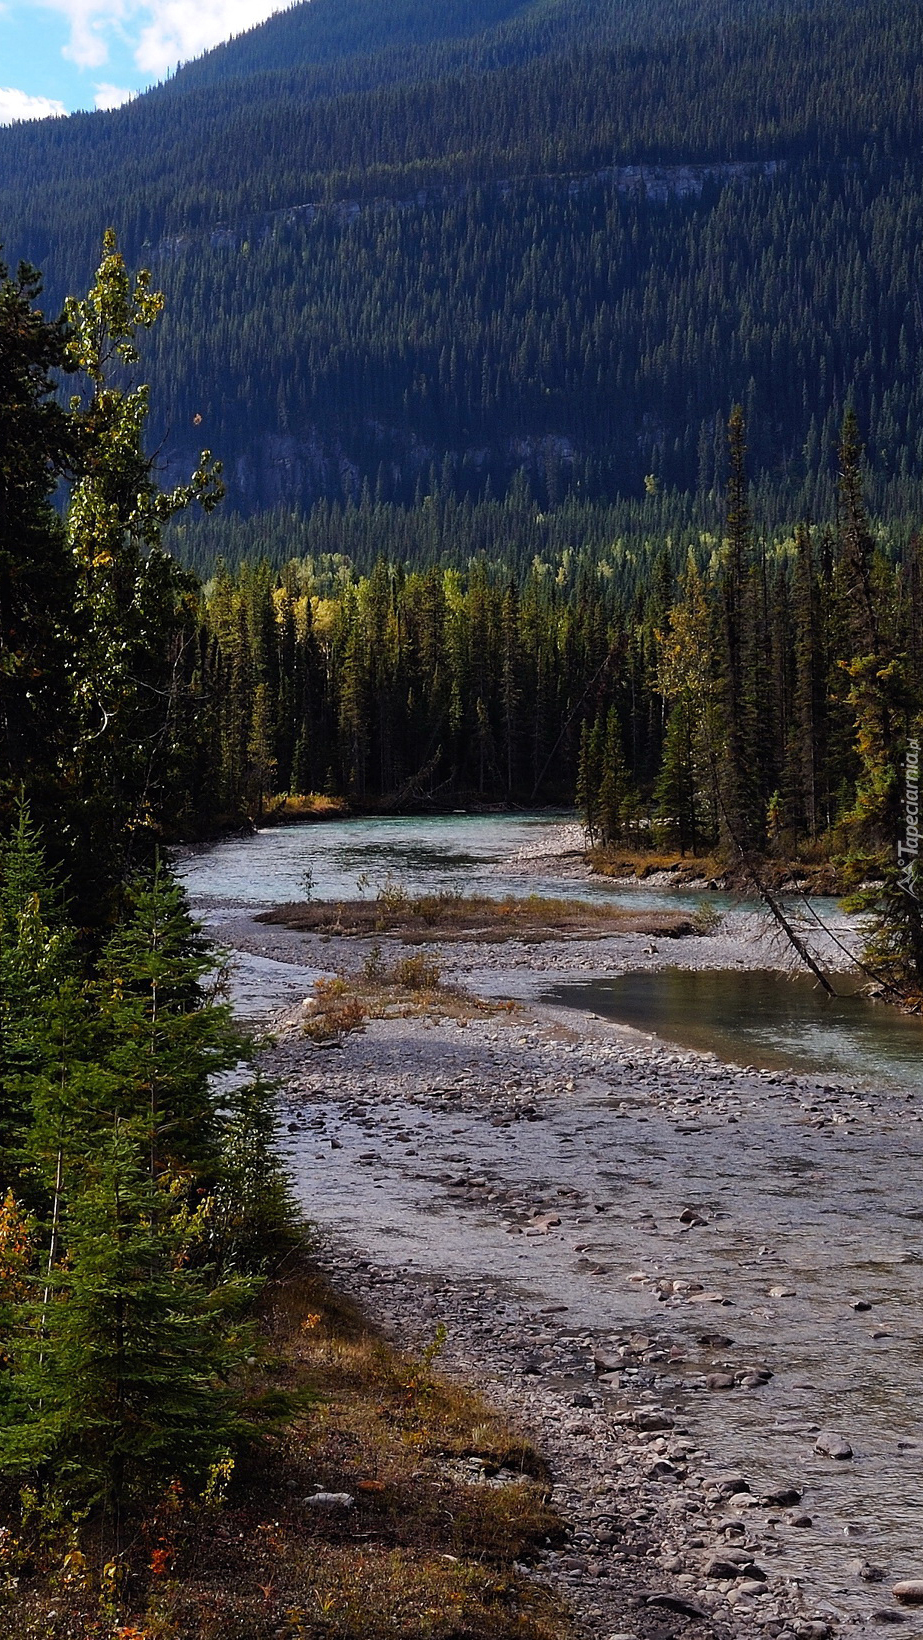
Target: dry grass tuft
{"type": "Point", "coordinates": [416, 919]}
{"type": "Point", "coordinates": [408, 988]}
{"type": "Point", "coordinates": [291, 807]}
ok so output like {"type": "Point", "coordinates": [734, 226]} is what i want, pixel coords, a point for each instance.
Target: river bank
{"type": "Point", "coordinates": [602, 1227]}
{"type": "Point", "coordinates": [581, 1207]}
{"type": "Point", "coordinates": [630, 1249]}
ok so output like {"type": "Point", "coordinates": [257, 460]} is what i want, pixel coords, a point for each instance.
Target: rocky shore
{"type": "Point", "coordinates": [696, 1285]}
{"type": "Point", "coordinates": [630, 1248]}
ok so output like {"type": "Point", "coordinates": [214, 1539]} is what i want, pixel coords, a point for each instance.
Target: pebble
{"type": "Point", "coordinates": [909, 1592]}
{"type": "Point", "coordinates": [831, 1445]}
{"type": "Point", "coordinates": [635, 1492]}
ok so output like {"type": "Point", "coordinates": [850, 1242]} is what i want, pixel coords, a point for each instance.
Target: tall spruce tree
{"type": "Point", "coordinates": [37, 583]}
{"type": "Point", "coordinates": [167, 1034]}
{"type": "Point", "coordinates": [738, 761]}
{"type": "Point", "coordinates": [875, 668]}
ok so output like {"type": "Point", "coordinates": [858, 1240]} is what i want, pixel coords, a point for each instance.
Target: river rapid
{"type": "Point", "coordinates": [686, 1275]}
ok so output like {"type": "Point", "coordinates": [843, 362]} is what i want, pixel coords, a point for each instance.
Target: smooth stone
{"type": "Point", "coordinates": [800, 1520]}
{"type": "Point", "coordinates": [721, 1380]}
{"type": "Point", "coordinates": [831, 1445]}
{"type": "Point", "coordinates": [652, 1419]}
{"type": "Point", "coordinates": [676, 1603]}
{"type": "Point", "coordinates": [909, 1592]}
{"type": "Point", "coordinates": [607, 1361]}
{"type": "Point", "coordinates": [722, 1567]}
{"type": "Point", "coordinates": [782, 1292]}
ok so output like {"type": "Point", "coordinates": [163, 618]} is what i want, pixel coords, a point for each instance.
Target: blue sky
{"type": "Point", "coordinates": [60, 55]}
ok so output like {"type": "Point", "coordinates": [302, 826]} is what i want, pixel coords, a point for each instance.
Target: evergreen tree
{"type": "Point", "coordinates": [36, 956]}
{"type": "Point", "coordinates": [739, 761]}
{"type": "Point", "coordinates": [121, 1381]}
{"type": "Point", "coordinates": [36, 576]}
{"type": "Point", "coordinates": [612, 792]}
{"type": "Point", "coordinates": [168, 1034]}
{"type": "Point", "coordinates": [131, 663]}
{"type": "Point", "coordinates": [874, 668]}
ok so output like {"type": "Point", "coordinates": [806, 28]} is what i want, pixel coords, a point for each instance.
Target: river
{"type": "Point", "coordinates": [780, 1211]}
{"type": "Point", "coordinates": [752, 1017]}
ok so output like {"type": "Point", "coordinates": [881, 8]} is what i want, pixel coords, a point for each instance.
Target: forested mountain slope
{"type": "Point", "coordinates": [468, 239]}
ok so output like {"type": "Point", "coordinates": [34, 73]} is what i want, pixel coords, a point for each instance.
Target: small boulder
{"type": "Point", "coordinates": [909, 1592]}
{"type": "Point", "coordinates": [330, 1500]}
{"type": "Point", "coordinates": [730, 1485]}
{"type": "Point", "coordinates": [651, 1418]}
{"type": "Point", "coordinates": [831, 1445]}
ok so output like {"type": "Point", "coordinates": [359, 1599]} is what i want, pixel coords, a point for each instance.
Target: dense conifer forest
{"type": "Point", "coordinates": [558, 238]}
{"type": "Point", "coordinates": [562, 360]}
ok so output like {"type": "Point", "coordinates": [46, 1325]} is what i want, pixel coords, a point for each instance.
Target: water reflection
{"type": "Point", "coordinates": [763, 1018]}
{"type": "Point", "coordinates": [477, 853]}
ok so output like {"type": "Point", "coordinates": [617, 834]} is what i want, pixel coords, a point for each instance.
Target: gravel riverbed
{"type": "Point", "coordinates": [692, 1283]}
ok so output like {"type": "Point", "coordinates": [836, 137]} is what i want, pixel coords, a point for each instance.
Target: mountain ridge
{"type": "Point", "coordinates": [379, 264]}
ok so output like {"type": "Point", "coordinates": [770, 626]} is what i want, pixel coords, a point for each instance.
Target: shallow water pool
{"type": "Point", "coordinates": [762, 1018]}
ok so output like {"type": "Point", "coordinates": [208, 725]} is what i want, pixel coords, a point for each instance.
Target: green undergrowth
{"type": "Point", "coordinates": [420, 1553]}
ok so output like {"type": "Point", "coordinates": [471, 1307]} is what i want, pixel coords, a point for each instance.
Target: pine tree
{"type": "Point", "coordinates": [260, 753]}
{"type": "Point", "coordinates": [876, 671]}
{"type": "Point", "coordinates": [121, 1381]}
{"type": "Point", "coordinates": [36, 954]}
{"type": "Point", "coordinates": [168, 1035]}
{"type": "Point", "coordinates": [738, 761]}
{"type": "Point", "coordinates": [37, 582]}
{"type": "Point", "coordinates": [612, 796]}
{"type": "Point", "coordinates": [129, 592]}
{"type": "Point", "coordinates": [893, 931]}
{"type": "Point", "coordinates": [675, 791]}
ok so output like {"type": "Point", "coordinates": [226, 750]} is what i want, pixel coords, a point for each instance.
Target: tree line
{"type": "Point", "coordinates": [139, 1197]}
{"type": "Point", "coordinates": [488, 252]}
{"type": "Point", "coordinates": [747, 694]}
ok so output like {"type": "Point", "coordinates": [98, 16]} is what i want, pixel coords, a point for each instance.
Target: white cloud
{"type": "Point", "coordinates": [178, 30]}
{"type": "Point", "coordinates": [112, 96]}
{"type": "Point", "coordinates": [16, 105]}
{"type": "Point", "coordinates": [160, 33]}
{"type": "Point", "coordinates": [90, 21]}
